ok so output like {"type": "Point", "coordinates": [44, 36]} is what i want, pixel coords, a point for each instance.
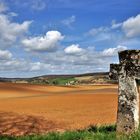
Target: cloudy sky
{"type": "Point", "coordinates": [40, 37]}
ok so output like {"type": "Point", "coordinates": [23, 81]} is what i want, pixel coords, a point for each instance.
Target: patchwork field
{"type": "Point", "coordinates": [26, 109]}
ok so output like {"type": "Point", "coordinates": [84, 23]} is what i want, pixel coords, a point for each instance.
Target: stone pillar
{"type": "Point", "coordinates": [128, 100]}
{"type": "Point", "coordinates": [128, 105]}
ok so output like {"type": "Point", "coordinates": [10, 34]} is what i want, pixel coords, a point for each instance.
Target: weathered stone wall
{"type": "Point", "coordinates": [113, 74]}
{"type": "Point", "coordinates": [128, 101]}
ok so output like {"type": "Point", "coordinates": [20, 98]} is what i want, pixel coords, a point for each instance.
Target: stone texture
{"type": "Point", "coordinates": [127, 72]}
{"type": "Point", "coordinates": [114, 68]}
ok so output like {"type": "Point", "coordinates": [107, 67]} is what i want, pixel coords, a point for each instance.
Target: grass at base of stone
{"type": "Point", "coordinates": [91, 133]}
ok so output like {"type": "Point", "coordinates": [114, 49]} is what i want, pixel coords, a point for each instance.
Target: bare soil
{"type": "Point", "coordinates": [28, 109]}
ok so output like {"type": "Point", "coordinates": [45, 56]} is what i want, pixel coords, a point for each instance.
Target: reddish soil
{"type": "Point", "coordinates": [28, 109]}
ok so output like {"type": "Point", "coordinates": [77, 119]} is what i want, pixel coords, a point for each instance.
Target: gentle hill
{"type": "Point", "coordinates": [75, 79]}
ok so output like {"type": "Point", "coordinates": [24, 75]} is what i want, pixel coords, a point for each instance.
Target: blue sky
{"type": "Point", "coordinates": [40, 37]}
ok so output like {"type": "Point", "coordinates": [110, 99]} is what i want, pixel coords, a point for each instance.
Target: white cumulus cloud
{"type": "Point", "coordinates": [5, 55]}
{"type": "Point", "coordinates": [113, 51]}
{"type": "Point", "coordinates": [131, 26]}
{"type": "Point", "coordinates": [73, 49]}
{"type": "Point", "coordinates": [43, 43]}
{"type": "Point", "coordinates": [10, 31]}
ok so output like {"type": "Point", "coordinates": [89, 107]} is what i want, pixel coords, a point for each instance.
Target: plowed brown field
{"type": "Point", "coordinates": [26, 109]}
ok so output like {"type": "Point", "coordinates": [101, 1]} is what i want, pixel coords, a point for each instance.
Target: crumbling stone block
{"type": "Point", "coordinates": [127, 72]}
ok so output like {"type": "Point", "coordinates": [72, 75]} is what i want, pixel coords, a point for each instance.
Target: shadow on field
{"type": "Point", "coordinates": [13, 124]}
